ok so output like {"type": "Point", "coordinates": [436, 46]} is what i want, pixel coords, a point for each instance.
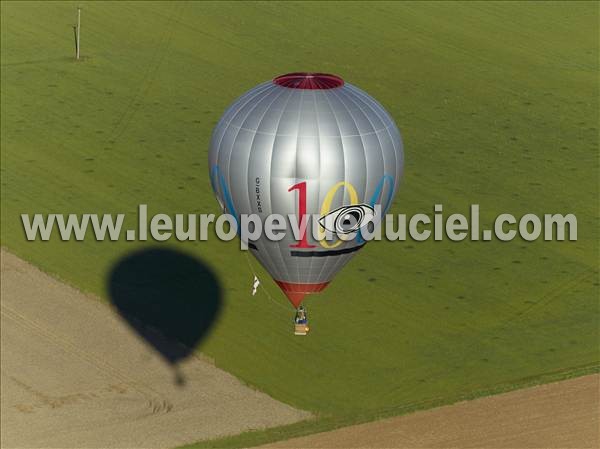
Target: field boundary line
{"type": "Point", "coordinates": [328, 423]}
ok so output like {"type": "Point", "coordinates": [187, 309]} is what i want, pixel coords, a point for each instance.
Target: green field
{"type": "Point", "coordinates": [497, 104]}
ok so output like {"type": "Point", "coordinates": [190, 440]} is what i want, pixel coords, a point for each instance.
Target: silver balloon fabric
{"type": "Point", "coordinates": [277, 147]}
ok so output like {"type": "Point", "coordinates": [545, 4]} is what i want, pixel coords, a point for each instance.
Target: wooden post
{"type": "Point", "coordinates": [78, 30]}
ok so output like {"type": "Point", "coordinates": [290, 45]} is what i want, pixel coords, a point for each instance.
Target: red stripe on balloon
{"type": "Point", "coordinates": [296, 292]}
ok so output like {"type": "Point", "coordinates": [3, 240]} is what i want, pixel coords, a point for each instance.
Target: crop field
{"type": "Point", "coordinates": [497, 104]}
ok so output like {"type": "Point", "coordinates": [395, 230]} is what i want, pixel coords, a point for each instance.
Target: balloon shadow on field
{"type": "Point", "coordinates": [168, 298]}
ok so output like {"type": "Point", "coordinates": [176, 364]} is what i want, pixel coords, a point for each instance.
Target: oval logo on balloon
{"type": "Point", "coordinates": [347, 219]}
{"type": "Point", "coordinates": [306, 145]}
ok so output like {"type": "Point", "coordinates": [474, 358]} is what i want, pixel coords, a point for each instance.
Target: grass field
{"type": "Point", "coordinates": [497, 104]}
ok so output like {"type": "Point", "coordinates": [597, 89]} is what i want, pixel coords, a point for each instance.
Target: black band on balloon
{"type": "Point", "coordinates": [333, 252]}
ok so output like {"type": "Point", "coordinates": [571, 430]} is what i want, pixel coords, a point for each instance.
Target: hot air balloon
{"type": "Point", "coordinates": [306, 144]}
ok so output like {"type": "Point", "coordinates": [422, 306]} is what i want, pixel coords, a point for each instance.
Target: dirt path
{"type": "Point", "coordinates": [559, 415]}
{"type": "Point", "coordinates": [75, 376]}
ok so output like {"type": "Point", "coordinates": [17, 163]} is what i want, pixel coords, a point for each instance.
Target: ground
{"type": "Point", "coordinates": [74, 375]}
{"type": "Point", "coordinates": [66, 385]}
{"type": "Point", "coordinates": [497, 104]}
{"type": "Point", "coordinates": [558, 415]}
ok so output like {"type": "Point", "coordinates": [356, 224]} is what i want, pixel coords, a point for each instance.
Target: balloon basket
{"type": "Point", "coordinates": [301, 329]}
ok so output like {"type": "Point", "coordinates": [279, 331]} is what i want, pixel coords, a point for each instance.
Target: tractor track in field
{"type": "Point", "coordinates": [556, 293]}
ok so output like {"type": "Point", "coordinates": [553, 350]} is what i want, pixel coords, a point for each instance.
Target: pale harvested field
{"type": "Point", "coordinates": [559, 415]}
{"type": "Point", "coordinates": [75, 376]}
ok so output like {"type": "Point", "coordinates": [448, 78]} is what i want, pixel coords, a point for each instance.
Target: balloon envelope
{"type": "Point", "coordinates": [305, 144]}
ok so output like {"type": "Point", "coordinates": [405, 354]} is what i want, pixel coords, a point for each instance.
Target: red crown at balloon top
{"type": "Point", "coordinates": [306, 80]}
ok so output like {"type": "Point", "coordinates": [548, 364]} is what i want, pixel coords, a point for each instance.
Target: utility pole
{"type": "Point", "coordinates": [78, 34]}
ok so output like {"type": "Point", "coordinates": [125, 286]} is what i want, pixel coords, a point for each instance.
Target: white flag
{"type": "Point", "coordinates": [255, 285]}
